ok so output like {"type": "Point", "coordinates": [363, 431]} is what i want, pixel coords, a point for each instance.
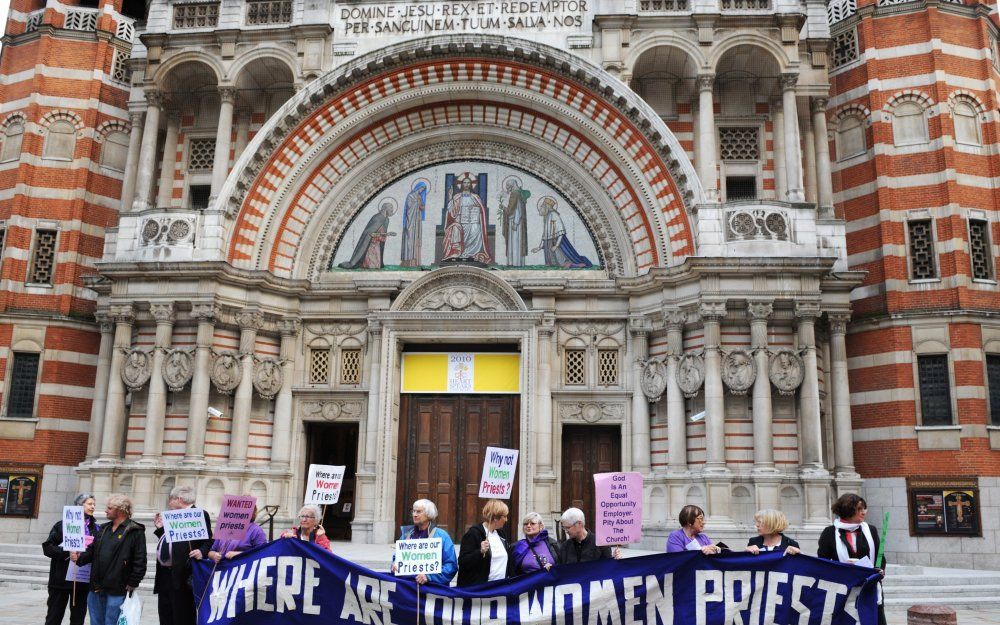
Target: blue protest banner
{"type": "Point", "coordinates": [291, 581]}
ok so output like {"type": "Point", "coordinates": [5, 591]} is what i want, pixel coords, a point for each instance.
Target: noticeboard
{"type": "Point", "coordinates": [20, 486]}
{"type": "Point", "coordinates": [944, 506]}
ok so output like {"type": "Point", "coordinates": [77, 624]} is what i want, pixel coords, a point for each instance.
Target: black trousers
{"type": "Point", "coordinates": [58, 600]}
{"type": "Point", "coordinates": [176, 605]}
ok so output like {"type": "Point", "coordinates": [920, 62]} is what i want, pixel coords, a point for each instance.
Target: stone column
{"type": "Point", "coordinates": [156, 400]}
{"type": "Point", "coordinates": [545, 477]}
{"type": "Point", "coordinates": [250, 321]}
{"type": "Point", "coordinates": [147, 152]}
{"type": "Point", "coordinates": [375, 333]}
{"type": "Point", "coordinates": [242, 131]}
{"type": "Point", "coordinates": [114, 424]}
{"type": "Point", "coordinates": [281, 439]}
{"type": "Point", "coordinates": [194, 450]}
{"type": "Point", "coordinates": [223, 140]}
{"type": "Point", "coordinates": [808, 158]}
{"type": "Point", "coordinates": [640, 328]}
{"type": "Point", "coordinates": [99, 405]}
{"type": "Point", "coordinates": [132, 160]}
{"type": "Point", "coordinates": [763, 424]}
{"type": "Point", "coordinates": [824, 177]}
{"type": "Point", "coordinates": [676, 418]}
{"type": "Point", "coordinates": [793, 152]}
{"type": "Point", "coordinates": [778, 138]}
{"type": "Point", "coordinates": [715, 404]}
{"type": "Point", "coordinates": [843, 431]}
{"type": "Point", "coordinates": [169, 162]}
{"type": "Point", "coordinates": [706, 136]}
{"type": "Point", "coordinates": [811, 442]}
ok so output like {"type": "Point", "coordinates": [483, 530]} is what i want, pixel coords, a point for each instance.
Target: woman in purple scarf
{"type": "Point", "coordinates": [536, 552]}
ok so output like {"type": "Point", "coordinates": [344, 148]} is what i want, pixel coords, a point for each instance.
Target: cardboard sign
{"type": "Point", "coordinates": [499, 468]}
{"type": "Point", "coordinates": [74, 534]}
{"type": "Point", "coordinates": [235, 517]}
{"type": "Point", "coordinates": [323, 484]}
{"type": "Point", "coordinates": [619, 508]}
{"type": "Point", "coordinates": [186, 524]}
{"type": "Point", "coordinates": [422, 555]}
{"type": "Point", "coordinates": [76, 573]}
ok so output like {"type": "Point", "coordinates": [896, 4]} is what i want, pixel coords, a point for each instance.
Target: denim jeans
{"type": "Point", "coordinates": [104, 608]}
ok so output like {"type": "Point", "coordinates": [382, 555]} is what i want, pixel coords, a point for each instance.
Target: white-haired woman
{"type": "Point", "coordinates": [537, 551]}
{"type": "Point", "coordinates": [425, 514]}
{"type": "Point", "coordinates": [770, 525]}
{"type": "Point", "coordinates": [309, 528]}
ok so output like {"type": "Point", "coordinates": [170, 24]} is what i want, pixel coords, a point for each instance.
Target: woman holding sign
{"type": "Point", "coordinates": [309, 528]}
{"type": "Point", "coordinates": [425, 513]}
{"type": "Point", "coordinates": [691, 537]}
{"type": "Point", "coordinates": [61, 590]}
{"type": "Point", "coordinates": [537, 551]}
{"type": "Point", "coordinates": [483, 555]}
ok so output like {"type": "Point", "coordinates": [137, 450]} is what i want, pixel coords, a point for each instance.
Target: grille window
{"type": "Point", "coordinates": [979, 249]}
{"type": "Point", "coordinates": [44, 259]}
{"type": "Point", "coordinates": [993, 384]}
{"type": "Point", "coordinates": [935, 390]}
{"type": "Point", "coordinates": [575, 366]}
{"type": "Point", "coordinates": [350, 366]}
{"type": "Point", "coordinates": [738, 144]}
{"type": "Point", "coordinates": [269, 11]}
{"type": "Point", "coordinates": [607, 367]}
{"type": "Point", "coordinates": [201, 154]}
{"type": "Point", "coordinates": [845, 48]}
{"type": "Point", "coordinates": [319, 366]}
{"type": "Point", "coordinates": [196, 15]}
{"type": "Point", "coordinates": [23, 379]}
{"type": "Point", "coordinates": [922, 265]}
{"type": "Point", "coordinates": [120, 71]}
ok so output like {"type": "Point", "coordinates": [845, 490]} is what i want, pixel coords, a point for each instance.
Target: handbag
{"type": "Point", "coordinates": [131, 610]}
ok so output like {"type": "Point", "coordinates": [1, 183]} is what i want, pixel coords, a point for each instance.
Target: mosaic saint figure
{"type": "Point", "coordinates": [558, 250]}
{"type": "Point", "coordinates": [465, 224]}
{"type": "Point", "coordinates": [371, 241]}
{"type": "Point", "coordinates": [512, 216]}
{"type": "Point", "coordinates": [414, 211]}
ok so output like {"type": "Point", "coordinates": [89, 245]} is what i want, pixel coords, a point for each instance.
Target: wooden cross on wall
{"type": "Point", "coordinates": [960, 504]}
{"type": "Point", "coordinates": [21, 487]}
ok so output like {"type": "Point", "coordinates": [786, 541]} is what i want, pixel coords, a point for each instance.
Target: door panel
{"type": "Point", "coordinates": [586, 450]}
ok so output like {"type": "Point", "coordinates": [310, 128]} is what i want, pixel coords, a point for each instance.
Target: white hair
{"type": "Point", "coordinates": [184, 493]}
{"type": "Point", "coordinates": [316, 512]}
{"type": "Point", "coordinates": [572, 516]}
{"type": "Point", "coordinates": [428, 507]}
{"type": "Point", "coordinates": [533, 516]}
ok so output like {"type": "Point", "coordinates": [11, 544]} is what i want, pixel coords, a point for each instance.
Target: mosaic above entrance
{"type": "Point", "coordinates": [466, 212]}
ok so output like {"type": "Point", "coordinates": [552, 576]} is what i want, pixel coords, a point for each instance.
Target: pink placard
{"type": "Point", "coordinates": [618, 520]}
{"type": "Point", "coordinates": [235, 517]}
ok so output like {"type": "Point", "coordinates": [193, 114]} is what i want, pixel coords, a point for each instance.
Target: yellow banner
{"type": "Point", "coordinates": [461, 372]}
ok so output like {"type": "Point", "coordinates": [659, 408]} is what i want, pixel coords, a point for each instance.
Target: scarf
{"type": "Point", "coordinates": [522, 548]}
{"type": "Point", "coordinates": [842, 554]}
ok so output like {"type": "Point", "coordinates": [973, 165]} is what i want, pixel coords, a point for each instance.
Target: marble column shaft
{"type": "Point", "coordinates": [131, 161]}
{"type": "Point", "coordinates": [778, 137]}
{"type": "Point", "coordinates": [543, 404]}
{"type": "Point", "coordinates": [194, 451]}
{"type": "Point", "coordinates": [715, 403]}
{"type": "Point", "coordinates": [114, 424]}
{"type": "Point", "coordinates": [99, 405]}
{"type": "Point", "coordinates": [676, 417]}
{"type": "Point", "coordinates": [824, 175]}
{"type": "Point", "coordinates": [843, 431]}
{"type": "Point", "coordinates": [281, 439]}
{"type": "Point", "coordinates": [640, 405]}
{"type": "Point", "coordinates": [169, 163]}
{"type": "Point", "coordinates": [223, 140]}
{"type": "Point", "coordinates": [156, 399]}
{"type": "Point", "coordinates": [763, 417]}
{"type": "Point", "coordinates": [808, 158]}
{"type": "Point", "coordinates": [706, 136]}
{"type": "Point", "coordinates": [147, 153]}
{"type": "Point", "coordinates": [793, 150]}
{"type": "Point", "coordinates": [811, 442]}
{"type": "Point", "coordinates": [239, 438]}
{"type": "Point", "coordinates": [242, 132]}
{"type": "Point", "coordinates": [368, 456]}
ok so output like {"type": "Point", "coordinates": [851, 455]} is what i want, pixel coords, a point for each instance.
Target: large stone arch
{"type": "Point", "coordinates": [304, 160]}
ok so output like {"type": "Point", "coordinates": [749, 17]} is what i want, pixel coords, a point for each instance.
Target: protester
{"type": "Point", "coordinates": [309, 528]}
{"type": "Point", "coordinates": [425, 513]}
{"type": "Point", "coordinates": [690, 536]}
{"type": "Point", "coordinates": [61, 592]}
{"type": "Point", "coordinates": [482, 556]}
{"type": "Point", "coordinates": [118, 561]}
{"type": "Point", "coordinates": [229, 549]}
{"type": "Point", "coordinates": [581, 544]}
{"type": "Point", "coordinates": [850, 539]}
{"type": "Point", "coordinates": [536, 551]}
{"type": "Point", "coordinates": [770, 525]}
{"type": "Point", "coordinates": [172, 585]}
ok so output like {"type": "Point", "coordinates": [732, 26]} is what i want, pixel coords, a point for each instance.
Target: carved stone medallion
{"type": "Point", "coordinates": [591, 412]}
{"type": "Point", "coordinates": [226, 373]}
{"type": "Point", "coordinates": [786, 371]}
{"type": "Point", "coordinates": [460, 298]}
{"type": "Point", "coordinates": [332, 410]}
{"type": "Point", "coordinates": [690, 374]}
{"type": "Point", "coordinates": [178, 367]}
{"type": "Point", "coordinates": [136, 369]}
{"type": "Point", "coordinates": [267, 378]}
{"type": "Point", "coordinates": [654, 380]}
{"type": "Point", "coordinates": [739, 371]}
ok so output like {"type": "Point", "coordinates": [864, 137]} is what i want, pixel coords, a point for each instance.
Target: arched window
{"type": "Point", "coordinates": [60, 140]}
{"type": "Point", "coordinates": [966, 122]}
{"type": "Point", "coordinates": [850, 137]}
{"type": "Point", "coordinates": [114, 152]}
{"type": "Point", "coordinates": [12, 137]}
{"type": "Point", "coordinates": [908, 124]}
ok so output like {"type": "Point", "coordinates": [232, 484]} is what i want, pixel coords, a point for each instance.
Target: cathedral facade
{"type": "Point", "coordinates": [615, 236]}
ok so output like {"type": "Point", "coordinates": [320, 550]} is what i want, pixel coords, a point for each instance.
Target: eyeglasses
{"type": "Point", "coordinates": [566, 527]}
{"type": "Point", "coordinates": [307, 516]}
{"type": "Point", "coordinates": [416, 511]}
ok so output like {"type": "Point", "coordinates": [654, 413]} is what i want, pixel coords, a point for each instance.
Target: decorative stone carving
{"type": "Point", "coordinates": [136, 369]}
{"type": "Point", "coordinates": [591, 412]}
{"type": "Point", "coordinates": [178, 368]}
{"type": "Point", "coordinates": [654, 379]}
{"type": "Point", "coordinates": [760, 310]}
{"type": "Point", "coordinates": [460, 298]}
{"type": "Point", "coordinates": [250, 319]}
{"type": "Point", "coordinates": [204, 312]}
{"type": "Point", "coordinates": [167, 231]}
{"type": "Point", "coordinates": [332, 410]}
{"type": "Point", "coordinates": [226, 372]}
{"type": "Point", "coordinates": [753, 223]}
{"type": "Point", "coordinates": [345, 328]}
{"type": "Point", "coordinates": [267, 378]}
{"type": "Point", "coordinates": [465, 289]}
{"type": "Point", "coordinates": [739, 371]}
{"type": "Point", "coordinates": [690, 374]}
{"type": "Point", "coordinates": [162, 313]}
{"type": "Point", "coordinates": [786, 371]}
{"type": "Point", "coordinates": [596, 329]}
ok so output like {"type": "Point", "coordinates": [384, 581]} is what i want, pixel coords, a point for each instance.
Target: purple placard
{"type": "Point", "coordinates": [619, 508]}
{"type": "Point", "coordinates": [235, 517]}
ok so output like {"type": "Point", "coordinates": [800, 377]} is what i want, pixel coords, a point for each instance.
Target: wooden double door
{"type": "Point", "coordinates": [442, 445]}
{"type": "Point", "coordinates": [586, 450]}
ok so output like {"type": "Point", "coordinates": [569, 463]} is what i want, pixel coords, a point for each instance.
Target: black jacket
{"type": "Point", "coordinates": [118, 558]}
{"type": "Point", "coordinates": [828, 548]}
{"type": "Point", "coordinates": [60, 558]}
{"type": "Point", "coordinates": [178, 574]}
{"type": "Point", "coordinates": [586, 551]}
{"type": "Point", "coordinates": [473, 566]}
{"type": "Point", "coordinates": [786, 542]}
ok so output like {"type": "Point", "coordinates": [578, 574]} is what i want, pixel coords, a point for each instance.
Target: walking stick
{"type": "Point", "coordinates": [418, 603]}
{"type": "Point", "coordinates": [207, 586]}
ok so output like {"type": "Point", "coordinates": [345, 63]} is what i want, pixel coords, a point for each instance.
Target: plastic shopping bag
{"type": "Point", "coordinates": [131, 610]}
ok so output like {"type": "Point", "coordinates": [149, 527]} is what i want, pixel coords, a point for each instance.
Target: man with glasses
{"type": "Point", "coordinates": [581, 544]}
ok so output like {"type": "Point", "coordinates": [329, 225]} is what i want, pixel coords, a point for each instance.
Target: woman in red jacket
{"type": "Point", "coordinates": [309, 528]}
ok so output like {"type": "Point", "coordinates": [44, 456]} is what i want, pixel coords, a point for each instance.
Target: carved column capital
{"type": "Point", "coordinates": [706, 82]}
{"type": "Point", "coordinates": [104, 322]}
{"type": "Point", "coordinates": [290, 326]}
{"type": "Point", "coordinates": [807, 311]}
{"type": "Point", "coordinates": [162, 313]}
{"type": "Point", "coordinates": [250, 319]}
{"type": "Point", "coordinates": [788, 81]}
{"type": "Point", "coordinates": [204, 312]}
{"type": "Point", "coordinates": [838, 322]}
{"type": "Point", "coordinates": [154, 98]}
{"type": "Point", "coordinates": [674, 319]}
{"type": "Point", "coordinates": [122, 314]}
{"type": "Point", "coordinates": [639, 326]}
{"type": "Point", "coordinates": [711, 311]}
{"type": "Point", "coordinates": [548, 326]}
{"type": "Point", "coordinates": [228, 94]}
{"type": "Point", "coordinates": [760, 311]}
{"type": "Point", "coordinates": [135, 119]}
{"type": "Point", "coordinates": [818, 104]}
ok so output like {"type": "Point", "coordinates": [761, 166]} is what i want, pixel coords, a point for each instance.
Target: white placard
{"type": "Point", "coordinates": [186, 524]}
{"type": "Point", "coordinates": [74, 535]}
{"type": "Point", "coordinates": [499, 468]}
{"type": "Point", "coordinates": [76, 573]}
{"type": "Point", "coordinates": [323, 484]}
{"type": "Point", "coordinates": [422, 555]}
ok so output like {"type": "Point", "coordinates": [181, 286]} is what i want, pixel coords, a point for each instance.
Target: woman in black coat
{"type": "Point", "coordinates": [483, 554]}
{"type": "Point", "coordinates": [770, 525]}
{"type": "Point", "coordinates": [60, 590]}
{"type": "Point", "coordinates": [850, 539]}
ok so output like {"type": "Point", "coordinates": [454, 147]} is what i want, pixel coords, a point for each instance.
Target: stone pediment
{"type": "Point", "coordinates": [459, 289]}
